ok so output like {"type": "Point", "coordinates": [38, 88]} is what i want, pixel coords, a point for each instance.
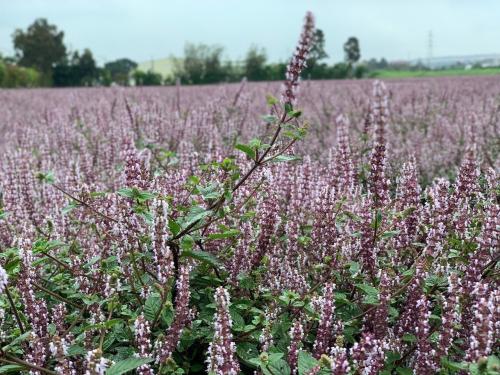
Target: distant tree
{"type": "Point", "coordinates": [201, 64]}
{"type": "Point", "coordinates": [232, 72]}
{"type": "Point", "coordinates": [339, 71]}
{"type": "Point", "coordinates": [276, 72]}
{"type": "Point", "coordinates": [351, 50]}
{"type": "Point", "coordinates": [193, 65]}
{"type": "Point", "coordinates": [3, 72]}
{"type": "Point", "coordinates": [120, 69]}
{"type": "Point", "coordinates": [318, 52]}
{"type": "Point", "coordinates": [41, 46]}
{"type": "Point", "coordinates": [373, 64]}
{"type": "Point", "coordinates": [360, 71]}
{"type": "Point", "coordinates": [86, 68]}
{"type": "Point", "coordinates": [18, 76]}
{"type": "Point", "coordinates": [64, 75]}
{"type": "Point", "coordinates": [254, 67]}
{"type": "Point", "coordinates": [314, 68]}
{"type": "Point", "coordinates": [214, 71]}
{"type": "Point", "coordinates": [79, 70]}
{"type": "Point", "coordinates": [147, 78]}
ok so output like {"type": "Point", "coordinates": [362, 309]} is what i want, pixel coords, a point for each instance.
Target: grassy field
{"type": "Point", "coordinates": [436, 73]}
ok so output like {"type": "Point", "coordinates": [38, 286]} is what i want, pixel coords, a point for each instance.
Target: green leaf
{"type": "Point", "coordinates": [145, 195]}
{"type": "Point", "coordinates": [202, 256]}
{"type": "Point", "coordinates": [16, 341]}
{"type": "Point", "coordinates": [107, 324]}
{"type": "Point", "coordinates": [451, 365]}
{"type": "Point", "coordinates": [74, 350]}
{"type": "Point", "coordinates": [46, 177]}
{"type": "Point", "coordinates": [280, 367]}
{"type": "Point", "coordinates": [408, 337]}
{"type": "Point", "coordinates": [404, 371]}
{"type": "Point", "coordinates": [245, 281]}
{"type": "Point", "coordinates": [295, 113]}
{"type": "Point", "coordinates": [271, 100]}
{"type": "Point", "coordinates": [174, 227]}
{"type": "Point", "coordinates": [127, 365]}
{"type": "Point", "coordinates": [306, 363]}
{"type": "Point", "coordinates": [368, 289]}
{"type": "Point", "coordinates": [238, 321]}
{"type": "Point", "coordinates": [11, 369]}
{"type": "Point", "coordinates": [284, 158]}
{"type": "Point", "coordinates": [187, 243]}
{"type": "Point", "coordinates": [354, 268]}
{"type": "Point", "coordinates": [151, 307]}
{"type": "Point", "coordinates": [256, 143]}
{"type": "Point", "coordinates": [275, 357]}
{"type": "Point", "coordinates": [493, 364]}
{"type": "Point", "coordinates": [3, 214]}
{"type": "Point", "coordinates": [370, 292]}
{"type": "Point", "coordinates": [247, 150]}
{"type": "Point", "coordinates": [195, 214]}
{"type": "Point", "coordinates": [70, 207]}
{"type": "Point", "coordinates": [42, 245]}
{"type": "Point", "coordinates": [226, 234]}
{"type": "Point", "coordinates": [377, 220]}
{"type": "Point", "coordinates": [126, 192]}
{"type": "Point", "coordinates": [390, 234]}
{"type": "Point", "coordinates": [134, 193]}
{"type": "Point", "coordinates": [147, 216]}
{"type": "Point", "coordinates": [209, 192]}
{"type": "Point", "coordinates": [269, 119]}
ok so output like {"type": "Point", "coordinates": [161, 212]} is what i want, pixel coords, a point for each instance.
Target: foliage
{"type": "Point", "coordinates": [148, 78]}
{"type": "Point", "coordinates": [317, 54]}
{"type": "Point", "coordinates": [41, 46]}
{"type": "Point", "coordinates": [119, 70]}
{"type": "Point", "coordinates": [16, 76]}
{"type": "Point", "coordinates": [352, 50]}
{"type": "Point", "coordinates": [202, 64]}
{"type": "Point", "coordinates": [80, 70]}
{"type": "Point", "coordinates": [255, 65]}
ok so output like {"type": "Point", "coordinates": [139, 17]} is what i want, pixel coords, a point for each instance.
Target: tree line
{"type": "Point", "coordinates": [42, 59]}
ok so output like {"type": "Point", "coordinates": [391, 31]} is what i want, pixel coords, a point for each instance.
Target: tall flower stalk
{"type": "Point", "coordinates": [221, 352]}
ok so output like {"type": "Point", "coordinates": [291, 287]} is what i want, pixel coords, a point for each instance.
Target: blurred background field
{"type": "Point", "coordinates": [130, 43]}
{"type": "Point", "coordinates": [435, 73]}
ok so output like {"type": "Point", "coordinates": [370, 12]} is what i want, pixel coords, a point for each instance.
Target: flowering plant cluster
{"type": "Point", "coordinates": [148, 232]}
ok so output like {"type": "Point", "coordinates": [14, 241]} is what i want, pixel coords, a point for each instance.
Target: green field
{"type": "Point", "coordinates": [436, 73]}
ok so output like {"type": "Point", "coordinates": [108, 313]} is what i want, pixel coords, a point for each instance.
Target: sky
{"type": "Point", "coordinates": [151, 29]}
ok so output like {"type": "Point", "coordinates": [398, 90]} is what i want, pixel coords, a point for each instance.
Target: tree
{"type": "Point", "coordinates": [314, 68]}
{"type": "Point", "coordinates": [86, 66]}
{"type": "Point", "coordinates": [147, 78]}
{"type": "Point", "coordinates": [202, 64]}
{"type": "Point", "coordinates": [255, 64]}
{"type": "Point", "coordinates": [41, 46]}
{"type": "Point", "coordinates": [339, 71]}
{"type": "Point", "coordinates": [81, 70]}
{"type": "Point", "coordinates": [351, 50]}
{"type": "Point", "coordinates": [214, 71]}
{"type": "Point", "coordinates": [318, 49]}
{"type": "Point", "coordinates": [120, 69]}
{"type": "Point", "coordinates": [18, 76]}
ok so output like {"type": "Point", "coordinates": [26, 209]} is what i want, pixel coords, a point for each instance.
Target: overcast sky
{"type": "Point", "coordinates": [145, 29]}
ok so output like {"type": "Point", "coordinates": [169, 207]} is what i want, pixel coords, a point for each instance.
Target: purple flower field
{"type": "Point", "coordinates": [347, 228]}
